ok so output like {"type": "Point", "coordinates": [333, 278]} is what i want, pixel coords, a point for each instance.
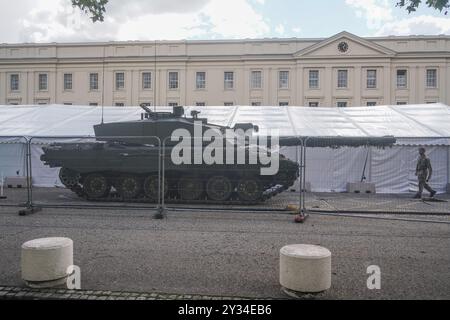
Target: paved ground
{"type": "Point", "coordinates": [329, 202]}
{"type": "Point", "coordinates": [234, 254]}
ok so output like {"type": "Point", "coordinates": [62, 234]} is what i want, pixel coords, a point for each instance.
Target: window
{"type": "Point", "coordinates": [256, 80]}
{"type": "Point", "coordinates": [228, 104]}
{"type": "Point", "coordinates": [146, 104]}
{"type": "Point", "coordinates": [146, 80]}
{"type": "Point", "coordinates": [229, 80]}
{"type": "Point", "coordinates": [371, 79]}
{"type": "Point", "coordinates": [402, 82]}
{"type": "Point", "coordinates": [283, 104]}
{"type": "Point", "coordinates": [120, 81]}
{"type": "Point", "coordinates": [14, 82]}
{"type": "Point", "coordinates": [256, 104]}
{"type": "Point", "coordinates": [43, 82]}
{"type": "Point", "coordinates": [402, 103]}
{"type": "Point", "coordinates": [93, 104]}
{"type": "Point", "coordinates": [67, 81]}
{"type": "Point", "coordinates": [93, 81]}
{"type": "Point", "coordinates": [342, 104]}
{"type": "Point", "coordinates": [67, 103]}
{"type": "Point", "coordinates": [200, 80]}
{"type": "Point", "coordinates": [314, 104]}
{"type": "Point", "coordinates": [173, 80]}
{"type": "Point", "coordinates": [283, 80]}
{"type": "Point", "coordinates": [430, 102]}
{"type": "Point", "coordinates": [200, 104]}
{"type": "Point", "coordinates": [431, 78]}
{"type": "Point", "coordinates": [371, 103]}
{"type": "Point", "coordinates": [313, 79]}
{"type": "Point", "coordinates": [342, 78]}
{"type": "Point", "coordinates": [173, 104]}
{"type": "Point", "coordinates": [119, 104]}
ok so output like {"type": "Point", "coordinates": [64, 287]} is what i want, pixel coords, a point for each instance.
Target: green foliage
{"type": "Point", "coordinates": [95, 8]}
{"type": "Point", "coordinates": [412, 5]}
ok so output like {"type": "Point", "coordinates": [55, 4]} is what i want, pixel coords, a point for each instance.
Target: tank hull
{"type": "Point", "coordinates": [115, 171]}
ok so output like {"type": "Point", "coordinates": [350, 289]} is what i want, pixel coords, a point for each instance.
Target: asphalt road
{"type": "Point", "coordinates": [234, 254]}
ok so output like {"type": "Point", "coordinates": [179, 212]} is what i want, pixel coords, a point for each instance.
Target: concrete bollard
{"type": "Point", "coordinates": [305, 269]}
{"type": "Point", "coordinates": [45, 261]}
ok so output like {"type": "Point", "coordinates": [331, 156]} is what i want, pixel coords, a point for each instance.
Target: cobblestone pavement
{"type": "Point", "coordinates": [22, 293]}
{"type": "Point", "coordinates": [326, 202]}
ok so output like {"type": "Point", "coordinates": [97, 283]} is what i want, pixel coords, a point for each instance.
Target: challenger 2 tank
{"type": "Point", "coordinates": [123, 162]}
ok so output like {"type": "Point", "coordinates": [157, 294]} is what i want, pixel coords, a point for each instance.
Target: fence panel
{"type": "Point", "coordinates": [95, 172]}
{"type": "Point", "coordinates": [371, 179]}
{"type": "Point", "coordinates": [14, 175]}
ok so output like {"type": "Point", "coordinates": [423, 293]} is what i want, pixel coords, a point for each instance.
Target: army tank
{"type": "Point", "coordinates": [123, 163]}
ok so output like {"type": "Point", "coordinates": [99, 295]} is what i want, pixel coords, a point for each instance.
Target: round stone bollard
{"type": "Point", "coordinates": [45, 262]}
{"type": "Point", "coordinates": [305, 269]}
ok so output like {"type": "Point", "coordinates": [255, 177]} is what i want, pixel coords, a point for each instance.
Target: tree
{"type": "Point", "coordinates": [95, 8]}
{"type": "Point", "coordinates": [412, 5]}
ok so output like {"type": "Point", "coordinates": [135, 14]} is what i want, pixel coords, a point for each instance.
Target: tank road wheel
{"type": "Point", "coordinates": [190, 188]}
{"type": "Point", "coordinates": [129, 187]}
{"type": "Point", "coordinates": [69, 178]}
{"type": "Point", "coordinates": [151, 187]}
{"type": "Point", "coordinates": [96, 186]}
{"type": "Point", "coordinates": [219, 188]}
{"type": "Point", "coordinates": [249, 189]}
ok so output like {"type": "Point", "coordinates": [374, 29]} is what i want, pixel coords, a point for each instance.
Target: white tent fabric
{"type": "Point", "coordinates": [392, 170]}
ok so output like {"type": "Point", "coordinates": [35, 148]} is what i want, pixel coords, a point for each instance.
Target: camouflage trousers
{"type": "Point", "coordinates": [423, 184]}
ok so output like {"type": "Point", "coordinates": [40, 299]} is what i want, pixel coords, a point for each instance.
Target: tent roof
{"type": "Point", "coordinates": [429, 122]}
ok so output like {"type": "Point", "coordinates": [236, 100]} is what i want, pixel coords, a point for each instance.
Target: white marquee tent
{"type": "Point", "coordinates": [391, 169]}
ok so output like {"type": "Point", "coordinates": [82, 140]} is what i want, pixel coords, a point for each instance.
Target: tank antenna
{"type": "Point", "coordinates": [103, 82]}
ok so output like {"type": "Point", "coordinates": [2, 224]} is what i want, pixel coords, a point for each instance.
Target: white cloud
{"type": "Point", "coordinates": [296, 29]}
{"type": "Point", "coordinates": [425, 25]}
{"type": "Point", "coordinates": [56, 20]}
{"type": "Point", "coordinates": [280, 29]}
{"type": "Point", "coordinates": [376, 12]}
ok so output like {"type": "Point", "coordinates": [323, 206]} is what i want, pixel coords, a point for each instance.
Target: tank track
{"type": "Point", "coordinates": [115, 197]}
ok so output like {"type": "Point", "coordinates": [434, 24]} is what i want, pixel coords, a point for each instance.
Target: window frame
{"type": "Point", "coordinates": [225, 80]}
{"type": "Point", "coordinates": [116, 81]}
{"type": "Point", "coordinates": [256, 83]}
{"type": "Point", "coordinates": [66, 82]}
{"type": "Point", "coordinates": [339, 72]}
{"type": "Point", "coordinates": [280, 80]}
{"type": "Point", "coordinates": [342, 102]}
{"type": "Point", "coordinates": [11, 89]}
{"type": "Point", "coordinates": [40, 83]}
{"type": "Point", "coordinates": [310, 79]}
{"type": "Point", "coordinates": [371, 83]}
{"type": "Point", "coordinates": [90, 81]}
{"type": "Point", "coordinates": [197, 80]}
{"type": "Point", "coordinates": [173, 84]}
{"type": "Point", "coordinates": [405, 85]}
{"type": "Point", "coordinates": [145, 81]}
{"type": "Point", "coordinates": [427, 85]}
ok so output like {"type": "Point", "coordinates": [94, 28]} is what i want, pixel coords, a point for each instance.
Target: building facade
{"type": "Point", "coordinates": [342, 71]}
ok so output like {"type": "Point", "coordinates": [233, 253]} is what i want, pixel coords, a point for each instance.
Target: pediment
{"type": "Point", "coordinates": [346, 45]}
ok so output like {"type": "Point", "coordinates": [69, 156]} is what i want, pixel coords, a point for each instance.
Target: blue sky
{"type": "Point", "coordinates": [58, 21]}
{"type": "Point", "coordinates": [325, 18]}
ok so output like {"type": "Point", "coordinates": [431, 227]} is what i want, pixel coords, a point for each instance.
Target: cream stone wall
{"type": "Point", "coordinates": [416, 54]}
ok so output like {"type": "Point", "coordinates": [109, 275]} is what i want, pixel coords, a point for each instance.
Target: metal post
{"type": "Point", "coordinates": [300, 173]}
{"type": "Point", "coordinates": [303, 207]}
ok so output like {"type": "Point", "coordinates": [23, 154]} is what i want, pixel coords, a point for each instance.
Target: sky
{"type": "Point", "coordinates": [57, 21]}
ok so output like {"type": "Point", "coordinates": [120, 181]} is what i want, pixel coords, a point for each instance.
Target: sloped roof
{"type": "Point", "coordinates": [429, 123]}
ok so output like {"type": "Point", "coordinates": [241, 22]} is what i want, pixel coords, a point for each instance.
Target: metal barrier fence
{"type": "Point", "coordinates": [360, 179]}
{"type": "Point", "coordinates": [14, 175]}
{"type": "Point", "coordinates": [370, 179]}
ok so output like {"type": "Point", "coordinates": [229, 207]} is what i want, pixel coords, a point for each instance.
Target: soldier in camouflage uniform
{"type": "Point", "coordinates": [423, 173]}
